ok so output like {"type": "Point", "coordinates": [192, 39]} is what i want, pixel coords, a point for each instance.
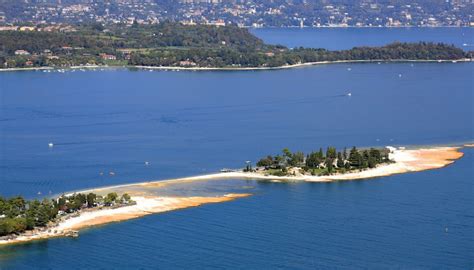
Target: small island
{"type": "Point", "coordinates": [170, 45]}
{"type": "Point", "coordinates": [318, 163]}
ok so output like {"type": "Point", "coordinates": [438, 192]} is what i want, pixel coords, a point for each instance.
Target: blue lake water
{"type": "Point", "coordinates": [346, 38]}
{"type": "Point", "coordinates": [187, 123]}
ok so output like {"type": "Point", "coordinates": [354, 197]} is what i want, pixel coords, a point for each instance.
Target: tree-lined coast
{"type": "Point", "coordinates": [18, 215]}
{"type": "Point", "coordinates": [173, 45]}
{"type": "Point", "coordinates": [323, 163]}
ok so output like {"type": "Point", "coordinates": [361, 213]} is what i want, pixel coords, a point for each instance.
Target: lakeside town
{"type": "Point", "coordinates": [254, 13]}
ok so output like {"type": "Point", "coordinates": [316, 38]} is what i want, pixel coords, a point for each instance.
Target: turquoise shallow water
{"type": "Point", "coordinates": [187, 123]}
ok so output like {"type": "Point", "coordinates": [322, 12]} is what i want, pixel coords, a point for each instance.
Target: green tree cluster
{"type": "Point", "coordinates": [18, 214]}
{"type": "Point", "coordinates": [332, 161]}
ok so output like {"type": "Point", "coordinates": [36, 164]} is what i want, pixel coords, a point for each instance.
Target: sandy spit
{"type": "Point", "coordinates": [144, 206]}
{"type": "Point", "coordinates": [405, 160]}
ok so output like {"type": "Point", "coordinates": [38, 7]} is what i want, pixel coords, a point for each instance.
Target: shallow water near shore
{"type": "Point", "coordinates": [189, 123]}
{"type": "Point", "coordinates": [398, 221]}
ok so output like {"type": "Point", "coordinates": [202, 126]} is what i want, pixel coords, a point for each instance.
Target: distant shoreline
{"type": "Point", "coordinates": [363, 26]}
{"type": "Point", "coordinates": [308, 64]}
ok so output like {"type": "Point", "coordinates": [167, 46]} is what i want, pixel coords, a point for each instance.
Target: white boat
{"type": "Point", "coordinates": [349, 94]}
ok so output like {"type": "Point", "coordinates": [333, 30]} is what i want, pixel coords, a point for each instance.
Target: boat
{"type": "Point", "coordinates": [349, 94]}
{"type": "Point", "coordinates": [73, 234]}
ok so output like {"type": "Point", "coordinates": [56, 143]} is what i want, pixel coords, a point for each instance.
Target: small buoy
{"type": "Point", "coordinates": [50, 145]}
{"type": "Point", "coordinates": [399, 75]}
{"type": "Point", "coordinates": [446, 229]}
{"type": "Point", "coordinates": [147, 163]}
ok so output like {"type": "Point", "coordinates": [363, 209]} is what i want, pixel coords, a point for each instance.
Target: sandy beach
{"type": "Point", "coordinates": [405, 160]}
{"type": "Point", "coordinates": [144, 206]}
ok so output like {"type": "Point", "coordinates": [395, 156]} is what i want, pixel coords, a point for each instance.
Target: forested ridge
{"type": "Point", "coordinates": [174, 44]}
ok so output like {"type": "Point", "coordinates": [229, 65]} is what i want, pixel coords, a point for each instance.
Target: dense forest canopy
{"type": "Point", "coordinates": [178, 45]}
{"type": "Point", "coordinates": [96, 37]}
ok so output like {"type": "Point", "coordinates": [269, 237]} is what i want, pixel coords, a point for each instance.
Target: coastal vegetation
{"type": "Point", "coordinates": [177, 45]}
{"type": "Point", "coordinates": [18, 215]}
{"type": "Point", "coordinates": [322, 163]}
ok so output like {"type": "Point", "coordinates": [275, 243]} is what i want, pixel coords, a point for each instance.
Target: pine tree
{"type": "Point", "coordinates": [340, 161]}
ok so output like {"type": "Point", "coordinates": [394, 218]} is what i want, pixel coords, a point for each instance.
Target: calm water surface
{"type": "Point", "coordinates": [187, 123]}
{"type": "Point", "coordinates": [346, 38]}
